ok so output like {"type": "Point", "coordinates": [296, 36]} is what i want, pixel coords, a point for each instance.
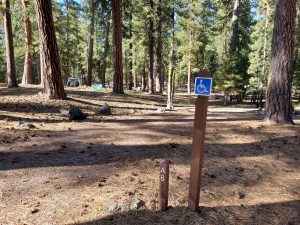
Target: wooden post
{"type": "Point", "coordinates": [164, 185]}
{"type": "Point", "coordinates": [197, 148]}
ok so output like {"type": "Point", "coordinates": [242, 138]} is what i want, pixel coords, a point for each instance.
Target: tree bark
{"type": "Point", "coordinates": [130, 52]}
{"type": "Point", "coordinates": [279, 99]}
{"type": "Point", "coordinates": [106, 48]}
{"type": "Point", "coordinates": [190, 50]}
{"type": "Point", "coordinates": [235, 24]}
{"type": "Point", "coordinates": [91, 43]}
{"type": "Point", "coordinates": [42, 67]}
{"type": "Point", "coordinates": [134, 67]}
{"type": "Point", "coordinates": [170, 105]}
{"type": "Point", "coordinates": [9, 45]}
{"type": "Point", "coordinates": [66, 70]}
{"type": "Point", "coordinates": [51, 67]}
{"type": "Point", "coordinates": [151, 52]}
{"type": "Point", "coordinates": [117, 47]}
{"type": "Point", "coordinates": [263, 73]}
{"type": "Point", "coordinates": [159, 46]}
{"type": "Point", "coordinates": [27, 73]}
{"type": "Point", "coordinates": [144, 78]}
{"type": "Point", "coordinates": [189, 61]}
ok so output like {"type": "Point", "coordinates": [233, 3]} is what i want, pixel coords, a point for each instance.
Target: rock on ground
{"type": "Point", "coordinates": [105, 109]}
{"type": "Point", "coordinates": [76, 114]}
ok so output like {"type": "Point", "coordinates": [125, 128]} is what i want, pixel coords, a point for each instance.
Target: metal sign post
{"type": "Point", "coordinates": [203, 86]}
{"type": "Point", "coordinates": [164, 185]}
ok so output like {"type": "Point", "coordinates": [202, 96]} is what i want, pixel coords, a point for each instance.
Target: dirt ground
{"type": "Point", "coordinates": [105, 169]}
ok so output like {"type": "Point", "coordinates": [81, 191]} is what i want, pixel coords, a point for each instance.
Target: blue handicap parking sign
{"type": "Point", "coordinates": [203, 86]}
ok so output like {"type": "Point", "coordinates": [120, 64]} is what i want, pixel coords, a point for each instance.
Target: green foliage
{"type": "Point", "coordinates": [231, 73]}
{"type": "Point", "coordinates": [70, 32]}
{"type": "Point", "coordinates": [206, 23]}
{"type": "Point", "coordinates": [260, 51]}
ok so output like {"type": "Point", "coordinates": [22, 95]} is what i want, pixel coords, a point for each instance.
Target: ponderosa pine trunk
{"type": "Point", "coordinates": [42, 77]}
{"type": "Point", "coordinates": [27, 73]}
{"type": "Point", "coordinates": [134, 68]}
{"type": "Point", "coordinates": [144, 78]}
{"type": "Point", "coordinates": [263, 73]}
{"type": "Point", "coordinates": [117, 47]}
{"type": "Point", "coordinates": [130, 52]}
{"type": "Point", "coordinates": [66, 69]}
{"type": "Point", "coordinates": [189, 62]}
{"type": "Point", "coordinates": [190, 51]}
{"type": "Point", "coordinates": [159, 46]}
{"type": "Point", "coordinates": [104, 60]}
{"type": "Point", "coordinates": [9, 45]}
{"type": "Point", "coordinates": [151, 52]}
{"type": "Point", "coordinates": [279, 99]}
{"type": "Point", "coordinates": [235, 25]}
{"type": "Point", "coordinates": [53, 84]}
{"type": "Point", "coordinates": [91, 43]}
{"type": "Point", "coordinates": [171, 85]}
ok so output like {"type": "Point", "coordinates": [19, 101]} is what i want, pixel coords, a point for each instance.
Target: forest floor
{"type": "Point", "coordinates": [100, 170]}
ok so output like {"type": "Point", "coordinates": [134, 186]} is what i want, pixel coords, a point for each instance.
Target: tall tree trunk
{"type": "Point", "coordinates": [51, 68]}
{"type": "Point", "coordinates": [42, 77]}
{"type": "Point", "coordinates": [159, 46]}
{"type": "Point", "coordinates": [189, 61]}
{"type": "Point", "coordinates": [126, 72]}
{"type": "Point", "coordinates": [224, 54]}
{"type": "Point", "coordinates": [151, 51]}
{"type": "Point", "coordinates": [144, 78]}
{"type": "Point", "coordinates": [170, 105]}
{"type": "Point", "coordinates": [235, 24]}
{"type": "Point", "coordinates": [163, 78]}
{"type": "Point", "coordinates": [130, 51]}
{"type": "Point", "coordinates": [66, 70]}
{"type": "Point", "coordinates": [279, 101]}
{"type": "Point", "coordinates": [266, 38]}
{"type": "Point", "coordinates": [134, 68]}
{"type": "Point", "coordinates": [117, 47]}
{"type": "Point", "coordinates": [190, 50]}
{"type": "Point", "coordinates": [35, 75]}
{"type": "Point", "coordinates": [9, 45]}
{"type": "Point", "coordinates": [104, 60]}
{"type": "Point", "coordinates": [27, 73]}
{"type": "Point", "coordinates": [264, 55]}
{"type": "Point", "coordinates": [91, 43]}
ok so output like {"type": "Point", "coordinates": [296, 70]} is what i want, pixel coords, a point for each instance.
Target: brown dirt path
{"type": "Point", "coordinates": [92, 172]}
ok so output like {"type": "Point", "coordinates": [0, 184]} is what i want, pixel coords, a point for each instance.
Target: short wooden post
{"type": "Point", "coordinates": [164, 185]}
{"type": "Point", "coordinates": [197, 149]}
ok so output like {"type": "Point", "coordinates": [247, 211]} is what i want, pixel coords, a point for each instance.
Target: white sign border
{"type": "Point", "coordinates": [210, 86]}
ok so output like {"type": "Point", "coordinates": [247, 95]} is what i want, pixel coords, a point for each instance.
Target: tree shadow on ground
{"type": "Point", "coordinates": [281, 213]}
{"type": "Point", "coordinates": [52, 154]}
{"type": "Point", "coordinates": [29, 108]}
{"type": "Point", "coordinates": [20, 91]}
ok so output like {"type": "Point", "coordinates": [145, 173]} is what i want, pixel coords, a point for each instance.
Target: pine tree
{"type": "Point", "coordinates": [117, 43]}
{"type": "Point", "coordinates": [171, 74]}
{"type": "Point", "coordinates": [279, 99]}
{"type": "Point", "coordinates": [93, 6]}
{"type": "Point", "coordinates": [11, 70]}
{"type": "Point", "coordinates": [159, 49]}
{"type": "Point", "coordinates": [28, 63]}
{"type": "Point", "coordinates": [260, 53]}
{"type": "Point", "coordinates": [151, 49]}
{"type": "Point", "coordinates": [51, 70]}
{"type": "Point", "coordinates": [71, 38]}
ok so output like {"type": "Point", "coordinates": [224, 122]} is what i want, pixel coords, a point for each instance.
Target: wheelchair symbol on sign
{"type": "Point", "coordinates": [201, 88]}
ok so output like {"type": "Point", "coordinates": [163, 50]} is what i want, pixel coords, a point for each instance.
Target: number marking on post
{"type": "Point", "coordinates": [164, 185]}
